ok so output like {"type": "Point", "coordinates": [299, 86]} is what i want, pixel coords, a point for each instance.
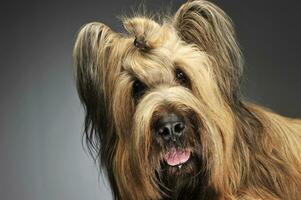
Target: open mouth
{"type": "Point", "coordinates": [177, 157]}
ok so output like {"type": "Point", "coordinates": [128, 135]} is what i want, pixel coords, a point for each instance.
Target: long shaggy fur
{"type": "Point", "coordinates": [240, 150]}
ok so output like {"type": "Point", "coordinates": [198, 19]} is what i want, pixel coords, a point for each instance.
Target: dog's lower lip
{"type": "Point", "coordinates": [176, 157]}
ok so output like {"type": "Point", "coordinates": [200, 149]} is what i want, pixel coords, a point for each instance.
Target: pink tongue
{"type": "Point", "coordinates": [176, 157]}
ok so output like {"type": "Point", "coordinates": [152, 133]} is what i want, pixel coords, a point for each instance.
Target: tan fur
{"type": "Point", "coordinates": [249, 152]}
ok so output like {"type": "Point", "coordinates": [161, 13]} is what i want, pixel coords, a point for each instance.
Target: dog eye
{"type": "Point", "coordinates": [182, 78]}
{"type": "Point", "coordinates": [138, 90]}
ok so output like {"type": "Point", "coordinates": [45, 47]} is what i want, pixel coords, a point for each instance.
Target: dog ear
{"type": "Point", "coordinates": [204, 24]}
{"type": "Point", "coordinates": [92, 45]}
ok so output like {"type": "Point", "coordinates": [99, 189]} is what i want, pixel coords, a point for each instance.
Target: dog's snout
{"type": "Point", "coordinates": [170, 127]}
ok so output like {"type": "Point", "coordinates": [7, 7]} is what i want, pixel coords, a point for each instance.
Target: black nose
{"type": "Point", "coordinates": [170, 127]}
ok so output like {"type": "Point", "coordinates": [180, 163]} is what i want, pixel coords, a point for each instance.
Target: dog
{"type": "Point", "coordinates": [165, 117]}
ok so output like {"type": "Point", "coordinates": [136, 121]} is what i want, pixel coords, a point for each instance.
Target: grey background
{"type": "Point", "coordinates": [41, 157]}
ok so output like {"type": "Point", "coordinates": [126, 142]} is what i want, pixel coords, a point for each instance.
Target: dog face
{"type": "Point", "coordinates": [158, 100]}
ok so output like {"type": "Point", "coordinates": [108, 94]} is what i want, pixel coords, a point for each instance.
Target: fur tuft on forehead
{"type": "Point", "coordinates": [148, 34]}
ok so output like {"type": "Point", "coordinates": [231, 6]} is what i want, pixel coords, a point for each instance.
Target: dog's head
{"type": "Point", "coordinates": [158, 99]}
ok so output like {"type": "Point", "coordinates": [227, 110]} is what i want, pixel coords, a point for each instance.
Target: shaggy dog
{"type": "Point", "coordinates": [165, 116]}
